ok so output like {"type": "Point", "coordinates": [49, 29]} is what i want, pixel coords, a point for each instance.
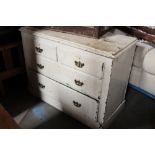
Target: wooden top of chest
{"type": "Point", "coordinates": [109, 45]}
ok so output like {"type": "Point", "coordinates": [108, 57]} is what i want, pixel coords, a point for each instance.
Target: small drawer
{"type": "Point", "coordinates": [81, 60]}
{"type": "Point", "coordinates": [45, 48]}
{"type": "Point", "coordinates": [69, 101]}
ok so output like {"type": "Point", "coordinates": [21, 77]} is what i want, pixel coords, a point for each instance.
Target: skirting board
{"type": "Point", "coordinates": [113, 116]}
{"type": "Point", "coordinates": [142, 91]}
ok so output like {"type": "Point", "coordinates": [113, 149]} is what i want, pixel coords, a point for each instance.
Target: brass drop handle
{"type": "Point", "coordinates": [41, 85]}
{"type": "Point", "coordinates": [39, 50]}
{"type": "Point", "coordinates": [78, 83]}
{"type": "Point", "coordinates": [79, 64]}
{"type": "Point", "coordinates": [76, 104]}
{"type": "Point", "coordinates": [40, 66]}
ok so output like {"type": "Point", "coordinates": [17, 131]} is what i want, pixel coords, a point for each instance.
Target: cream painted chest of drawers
{"type": "Point", "coordinates": [85, 78]}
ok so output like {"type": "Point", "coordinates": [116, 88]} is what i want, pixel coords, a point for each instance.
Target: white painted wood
{"type": "Point", "coordinates": [29, 44]}
{"type": "Point", "coordinates": [39, 82]}
{"type": "Point", "coordinates": [44, 66]}
{"type": "Point", "coordinates": [119, 77]}
{"type": "Point", "coordinates": [92, 64]}
{"type": "Point", "coordinates": [107, 46]}
{"type": "Point", "coordinates": [86, 113]}
{"type": "Point", "coordinates": [105, 90]}
{"type": "Point", "coordinates": [49, 48]}
{"type": "Point", "coordinates": [107, 123]}
{"type": "Point", "coordinates": [91, 85]}
{"type": "Point", "coordinates": [103, 86]}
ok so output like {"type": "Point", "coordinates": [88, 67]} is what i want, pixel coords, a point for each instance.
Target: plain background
{"type": "Point", "coordinates": [77, 13]}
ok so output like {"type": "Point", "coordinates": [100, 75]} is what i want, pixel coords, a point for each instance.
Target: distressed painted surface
{"type": "Point", "coordinates": [63, 74]}
{"type": "Point", "coordinates": [64, 98]}
{"type": "Point", "coordinates": [121, 68]}
{"type": "Point", "coordinates": [109, 45]}
{"type": "Point", "coordinates": [100, 84]}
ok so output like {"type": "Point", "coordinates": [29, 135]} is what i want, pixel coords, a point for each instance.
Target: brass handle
{"type": "Point", "coordinates": [78, 83]}
{"type": "Point", "coordinates": [76, 104]}
{"type": "Point", "coordinates": [79, 64]}
{"type": "Point", "coordinates": [39, 50]}
{"type": "Point", "coordinates": [40, 66]}
{"type": "Point", "coordinates": [41, 85]}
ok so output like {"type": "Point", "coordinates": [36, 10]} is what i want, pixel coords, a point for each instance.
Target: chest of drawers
{"type": "Point", "coordinates": [84, 77]}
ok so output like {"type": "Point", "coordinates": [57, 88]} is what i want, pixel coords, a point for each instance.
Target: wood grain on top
{"type": "Point", "coordinates": [109, 45]}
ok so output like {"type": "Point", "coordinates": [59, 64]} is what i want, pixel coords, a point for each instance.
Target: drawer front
{"type": "Point", "coordinates": [43, 65]}
{"type": "Point", "coordinates": [45, 48]}
{"type": "Point", "coordinates": [40, 83]}
{"type": "Point", "coordinates": [81, 60]}
{"type": "Point", "coordinates": [69, 101]}
{"type": "Point", "coordinates": [79, 81]}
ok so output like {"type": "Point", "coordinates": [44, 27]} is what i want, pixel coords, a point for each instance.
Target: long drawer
{"type": "Point", "coordinates": [69, 101]}
{"type": "Point", "coordinates": [77, 80]}
{"type": "Point", "coordinates": [81, 60]}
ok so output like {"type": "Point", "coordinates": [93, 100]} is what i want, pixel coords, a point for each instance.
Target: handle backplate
{"type": "Point", "coordinates": [76, 104]}
{"type": "Point", "coordinates": [38, 49]}
{"type": "Point", "coordinates": [79, 64]}
{"type": "Point", "coordinates": [78, 82]}
{"type": "Point", "coordinates": [40, 66]}
{"type": "Point", "coordinates": [41, 85]}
